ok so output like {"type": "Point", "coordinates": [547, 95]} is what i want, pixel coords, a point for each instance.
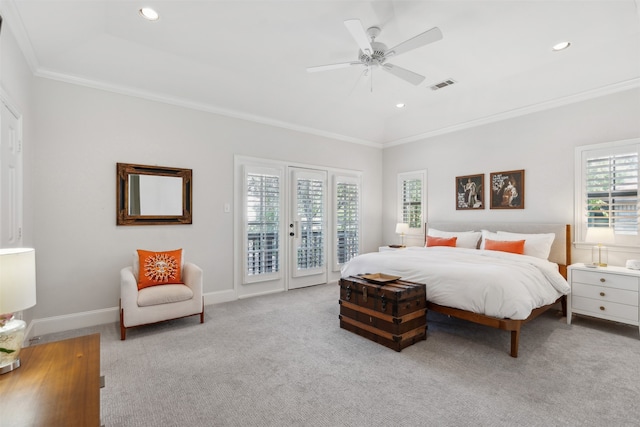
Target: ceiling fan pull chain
{"type": "Point", "coordinates": [371, 81]}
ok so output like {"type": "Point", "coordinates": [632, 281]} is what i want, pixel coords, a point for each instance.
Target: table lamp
{"type": "Point", "coordinates": [402, 229]}
{"type": "Point", "coordinates": [17, 293]}
{"type": "Point", "coordinates": [600, 236]}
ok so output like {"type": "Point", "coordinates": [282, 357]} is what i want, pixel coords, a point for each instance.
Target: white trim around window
{"type": "Point", "coordinates": [606, 190]}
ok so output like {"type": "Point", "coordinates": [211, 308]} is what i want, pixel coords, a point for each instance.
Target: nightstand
{"type": "Point", "coordinates": [609, 293]}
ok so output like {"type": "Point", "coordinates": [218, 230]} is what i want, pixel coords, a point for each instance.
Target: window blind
{"type": "Point", "coordinates": [347, 221]}
{"type": "Point", "coordinates": [611, 186]}
{"type": "Point", "coordinates": [311, 214]}
{"type": "Point", "coordinates": [412, 202]}
{"type": "Point", "coordinates": [262, 227]}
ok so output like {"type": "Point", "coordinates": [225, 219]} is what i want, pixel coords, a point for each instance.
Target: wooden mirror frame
{"type": "Point", "coordinates": [124, 170]}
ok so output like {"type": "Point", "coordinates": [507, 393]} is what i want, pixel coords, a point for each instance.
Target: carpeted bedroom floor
{"type": "Point", "coordinates": [282, 360]}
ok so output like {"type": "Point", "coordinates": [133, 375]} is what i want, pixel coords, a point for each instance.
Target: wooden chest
{"type": "Point", "coordinates": [393, 314]}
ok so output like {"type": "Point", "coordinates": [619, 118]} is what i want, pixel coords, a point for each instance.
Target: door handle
{"type": "Point", "coordinates": [291, 233]}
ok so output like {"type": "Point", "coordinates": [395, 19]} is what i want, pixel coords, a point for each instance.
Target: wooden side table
{"type": "Point", "coordinates": [57, 384]}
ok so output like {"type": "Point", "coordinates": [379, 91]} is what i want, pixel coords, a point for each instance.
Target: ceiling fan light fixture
{"type": "Point", "coordinates": [149, 14]}
{"type": "Point", "coordinates": [561, 46]}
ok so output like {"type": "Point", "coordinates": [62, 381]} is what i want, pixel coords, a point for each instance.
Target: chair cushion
{"type": "Point", "coordinates": [159, 268]}
{"type": "Point", "coordinates": [155, 295]}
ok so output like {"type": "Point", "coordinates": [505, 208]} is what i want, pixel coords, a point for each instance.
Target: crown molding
{"type": "Point", "coordinates": [517, 112]}
{"type": "Point", "coordinates": [180, 102]}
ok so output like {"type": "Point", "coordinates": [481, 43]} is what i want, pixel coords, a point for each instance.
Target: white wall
{"type": "Point", "coordinates": [541, 143]}
{"type": "Point", "coordinates": [16, 82]}
{"type": "Point", "coordinates": [83, 133]}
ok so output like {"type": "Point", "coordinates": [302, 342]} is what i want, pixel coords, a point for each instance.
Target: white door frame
{"type": "Point", "coordinates": [11, 174]}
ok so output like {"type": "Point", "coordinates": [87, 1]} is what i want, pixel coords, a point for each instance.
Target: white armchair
{"type": "Point", "coordinates": [159, 303]}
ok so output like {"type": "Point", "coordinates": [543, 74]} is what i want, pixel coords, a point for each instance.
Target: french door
{"type": "Point", "coordinates": [307, 240]}
{"type": "Point", "coordinates": [283, 228]}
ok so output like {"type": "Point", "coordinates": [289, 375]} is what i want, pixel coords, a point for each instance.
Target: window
{"type": "Point", "coordinates": [262, 193]}
{"type": "Point", "coordinates": [607, 189]}
{"type": "Point", "coordinates": [347, 218]}
{"type": "Point", "coordinates": [411, 200]}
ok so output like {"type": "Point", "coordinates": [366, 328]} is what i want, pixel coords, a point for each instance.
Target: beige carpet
{"type": "Point", "coordinates": [282, 360]}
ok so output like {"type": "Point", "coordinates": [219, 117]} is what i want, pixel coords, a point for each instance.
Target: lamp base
{"type": "Point", "coordinates": [8, 368]}
{"type": "Point", "coordinates": [11, 338]}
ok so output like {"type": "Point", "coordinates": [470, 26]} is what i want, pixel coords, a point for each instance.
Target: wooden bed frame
{"type": "Point", "coordinates": [560, 254]}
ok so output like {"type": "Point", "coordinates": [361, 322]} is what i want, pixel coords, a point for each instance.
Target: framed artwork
{"type": "Point", "coordinates": [469, 192]}
{"type": "Point", "coordinates": [507, 190]}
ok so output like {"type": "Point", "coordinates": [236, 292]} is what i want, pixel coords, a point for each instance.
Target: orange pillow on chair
{"type": "Point", "coordinates": [159, 268]}
{"type": "Point", "coordinates": [441, 241]}
{"type": "Point", "coordinates": [513, 246]}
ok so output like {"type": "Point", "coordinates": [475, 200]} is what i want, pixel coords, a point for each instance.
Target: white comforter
{"type": "Point", "coordinates": [494, 283]}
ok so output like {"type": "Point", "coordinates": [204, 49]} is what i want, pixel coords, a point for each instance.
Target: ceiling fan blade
{"type": "Point", "coordinates": [429, 36]}
{"type": "Point", "coordinates": [404, 74]}
{"type": "Point", "coordinates": [359, 34]}
{"type": "Point", "coordinates": [331, 66]}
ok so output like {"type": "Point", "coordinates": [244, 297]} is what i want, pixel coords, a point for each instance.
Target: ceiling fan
{"type": "Point", "coordinates": [375, 54]}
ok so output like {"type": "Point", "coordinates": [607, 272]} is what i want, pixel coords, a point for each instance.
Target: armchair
{"type": "Point", "coordinates": [162, 302]}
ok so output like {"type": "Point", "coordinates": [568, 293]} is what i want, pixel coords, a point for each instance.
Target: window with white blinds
{"type": "Point", "coordinates": [311, 214]}
{"type": "Point", "coordinates": [412, 201]}
{"type": "Point", "coordinates": [347, 218]}
{"type": "Point", "coordinates": [262, 227]}
{"type": "Point", "coordinates": [609, 189]}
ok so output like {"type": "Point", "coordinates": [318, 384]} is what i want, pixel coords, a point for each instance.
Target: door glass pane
{"type": "Point", "coordinates": [310, 210]}
{"type": "Point", "coordinates": [263, 219]}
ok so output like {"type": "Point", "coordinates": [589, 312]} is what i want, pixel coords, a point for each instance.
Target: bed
{"type": "Point", "coordinates": [495, 288]}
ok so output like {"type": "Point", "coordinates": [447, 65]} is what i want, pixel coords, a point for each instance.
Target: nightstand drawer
{"type": "Point", "coordinates": [602, 293]}
{"type": "Point", "coordinates": [609, 280]}
{"type": "Point", "coordinates": [605, 309]}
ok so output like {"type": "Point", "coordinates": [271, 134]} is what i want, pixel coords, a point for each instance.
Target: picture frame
{"type": "Point", "coordinates": [470, 192]}
{"type": "Point", "coordinates": [507, 189]}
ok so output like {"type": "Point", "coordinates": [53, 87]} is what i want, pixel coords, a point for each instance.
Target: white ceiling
{"type": "Point", "coordinates": [248, 59]}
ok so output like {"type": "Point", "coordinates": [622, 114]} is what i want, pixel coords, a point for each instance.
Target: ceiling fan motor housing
{"type": "Point", "coordinates": [376, 58]}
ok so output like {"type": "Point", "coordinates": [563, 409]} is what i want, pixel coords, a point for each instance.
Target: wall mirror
{"type": "Point", "coordinates": [153, 195]}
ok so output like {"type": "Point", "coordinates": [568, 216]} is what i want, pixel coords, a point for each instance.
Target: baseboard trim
{"type": "Point", "coordinates": [220, 297]}
{"type": "Point", "coordinates": [50, 325]}
{"type": "Point", "coordinates": [85, 319]}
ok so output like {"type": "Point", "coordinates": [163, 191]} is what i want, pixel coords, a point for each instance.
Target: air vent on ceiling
{"type": "Point", "coordinates": [442, 84]}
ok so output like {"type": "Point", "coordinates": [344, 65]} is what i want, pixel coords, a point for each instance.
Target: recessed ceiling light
{"type": "Point", "coordinates": [561, 46]}
{"type": "Point", "coordinates": [400, 105]}
{"type": "Point", "coordinates": [150, 14]}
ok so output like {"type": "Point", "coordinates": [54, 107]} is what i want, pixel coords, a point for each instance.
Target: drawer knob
{"type": "Point", "coordinates": [602, 279]}
{"type": "Point", "coordinates": [602, 294]}
{"type": "Point", "coordinates": [601, 308]}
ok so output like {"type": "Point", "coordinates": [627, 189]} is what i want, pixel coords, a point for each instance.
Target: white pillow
{"type": "Point", "coordinates": [536, 245]}
{"type": "Point", "coordinates": [466, 239]}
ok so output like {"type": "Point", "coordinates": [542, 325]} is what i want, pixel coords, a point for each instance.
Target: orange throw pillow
{"type": "Point", "coordinates": [159, 268]}
{"type": "Point", "coordinates": [513, 246]}
{"type": "Point", "coordinates": [441, 241]}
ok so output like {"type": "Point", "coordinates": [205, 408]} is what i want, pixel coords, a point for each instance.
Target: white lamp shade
{"type": "Point", "coordinates": [402, 228]}
{"type": "Point", "coordinates": [17, 279]}
{"type": "Point", "coordinates": [600, 235]}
